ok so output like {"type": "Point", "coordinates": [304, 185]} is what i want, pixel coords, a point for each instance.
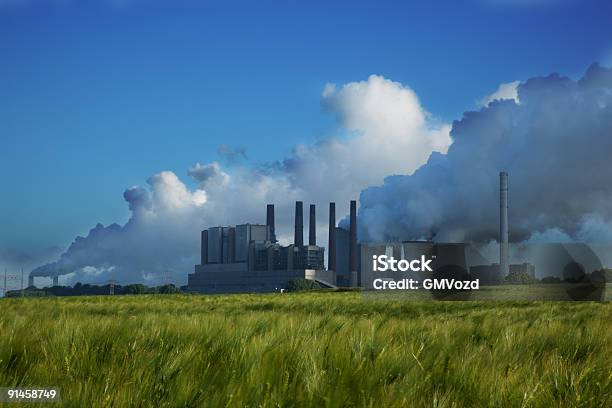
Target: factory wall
{"type": "Point", "coordinates": [237, 278]}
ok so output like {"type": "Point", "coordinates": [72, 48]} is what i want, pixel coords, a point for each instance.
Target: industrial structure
{"type": "Point", "coordinates": [248, 258]}
{"type": "Point", "coordinates": [449, 260]}
{"type": "Point", "coordinates": [504, 255]}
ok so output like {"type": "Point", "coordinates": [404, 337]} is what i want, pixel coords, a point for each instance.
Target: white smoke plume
{"type": "Point", "coordinates": [389, 132]}
{"type": "Point", "coordinates": [556, 147]}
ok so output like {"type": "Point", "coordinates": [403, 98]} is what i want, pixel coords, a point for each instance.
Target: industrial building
{"type": "Point", "coordinates": [248, 258]}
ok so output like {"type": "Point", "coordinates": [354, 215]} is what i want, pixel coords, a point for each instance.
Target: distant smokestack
{"type": "Point", "coordinates": [298, 239]}
{"type": "Point", "coordinates": [204, 248]}
{"type": "Point", "coordinates": [56, 280]}
{"type": "Point", "coordinates": [312, 222]}
{"type": "Point", "coordinates": [30, 281]}
{"type": "Point", "coordinates": [270, 221]}
{"type": "Point", "coordinates": [331, 256]}
{"type": "Point", "coordinates": [503, 223]}
{"type": "Point", "coordinates": [353, 244]}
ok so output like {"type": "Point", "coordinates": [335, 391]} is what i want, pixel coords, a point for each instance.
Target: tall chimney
{"type": "Point", "coordinates": [353, 244]}
{"type": "Point", "coordinates": [503, 223]}
{"type": "Point", "coordinates": [331, 256]}
{"type": "Point", "coordinates": [270, 221]}
{"type": "Point", "coordinates": [30, 281]}
{"type": "Point", "coordinates": [298, 239]}
{"type": "Point", "coordinates": [204, 248]}
{"type": "Point", "coordinates": [56, 280]}
{"type": "Point", "coordinates": [312, 222]}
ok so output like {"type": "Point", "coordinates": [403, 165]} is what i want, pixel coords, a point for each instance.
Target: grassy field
{"type": "Point", "coordinates": [314, 349]}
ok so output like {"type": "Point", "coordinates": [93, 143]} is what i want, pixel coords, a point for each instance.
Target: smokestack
{"type": "Point", "coordinates": [204, 248]}
{"type": "Point", "coordinates": [503, 223]}
{"type": "Point", "coordinates": [312, 231]}
{"type": "Point", "coordinates": [353, 244]}
{"type": "Point", "coordinates": [298, 239]}
{"type": "Point", "coordinates": [56, 280]}
{"type": "Point", "coordinates": [331, 256]}
{"type": "Point", "coordinates": [30, 281]}
{"type": "Point", "coordinates": [270, 221]}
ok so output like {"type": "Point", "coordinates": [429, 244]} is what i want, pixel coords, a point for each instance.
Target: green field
{"type": "Point", "coordinates": [310, 349]}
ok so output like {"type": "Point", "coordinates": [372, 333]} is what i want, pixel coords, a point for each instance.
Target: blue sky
{"type": "Point", "coordinates": [95, 96]}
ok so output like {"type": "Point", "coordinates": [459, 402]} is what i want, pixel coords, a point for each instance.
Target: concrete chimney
{"type": "Point", "coordinates": [312, 223]}
{"type": "Point", "coordinates": [30, 281]}
{"type": "Point", "coordinates": [353, 244]}
{"type": "Point", "coordinates": [204, 248]}
{"type": "Point", "coordinates": [298, 239]}
{"type": "Point", "coordinates": [56, 280]}
{"type": "Point", "coordinates": [503, 223]}
{"type": "Point", "coordinates": [331, 256]}
{"type": "Point", "coordinates": [270, 221]}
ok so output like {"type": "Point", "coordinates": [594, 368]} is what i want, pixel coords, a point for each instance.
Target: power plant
{"type": "Point", "coordinates": [248, 258]}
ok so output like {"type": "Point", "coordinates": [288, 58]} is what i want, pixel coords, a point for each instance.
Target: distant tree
{"type": "Point", "coordinates": [26, 293]}
{"type": "Point", "coordinates": [519, 278]}
{"type": "Point", "coordinates": [551, 279]}
{"type": "Point", "coordinates": [301, 284]}
{"type": "Point", "coordinates": [135, 289]}
{"type": "Point", "coordinates": [170, 288]}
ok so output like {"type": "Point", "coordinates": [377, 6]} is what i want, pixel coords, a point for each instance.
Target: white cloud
{"type": "Point", "coordinates": [504, 91]}
{"type": "Point", "coordinates": [171, 194]}
{"type": "Point", "coordinates": [390, 133]}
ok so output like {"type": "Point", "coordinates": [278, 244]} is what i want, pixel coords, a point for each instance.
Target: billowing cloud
{"type": "Point", "coordinates": [555, 145]}
{"type": "Point", "coordinates": [207, 174]}
{"type": "Point", "coordinates": [504, 91]}
{"type": "Point", "coordinates": [157, 243]}
{"type": "Point", "coordinates": [383, 129]}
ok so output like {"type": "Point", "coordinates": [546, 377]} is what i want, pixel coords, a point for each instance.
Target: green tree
{"type": "Point", "coordinates": [135, 289]}
{"type": "Point", "coordinates": [170, 288]}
